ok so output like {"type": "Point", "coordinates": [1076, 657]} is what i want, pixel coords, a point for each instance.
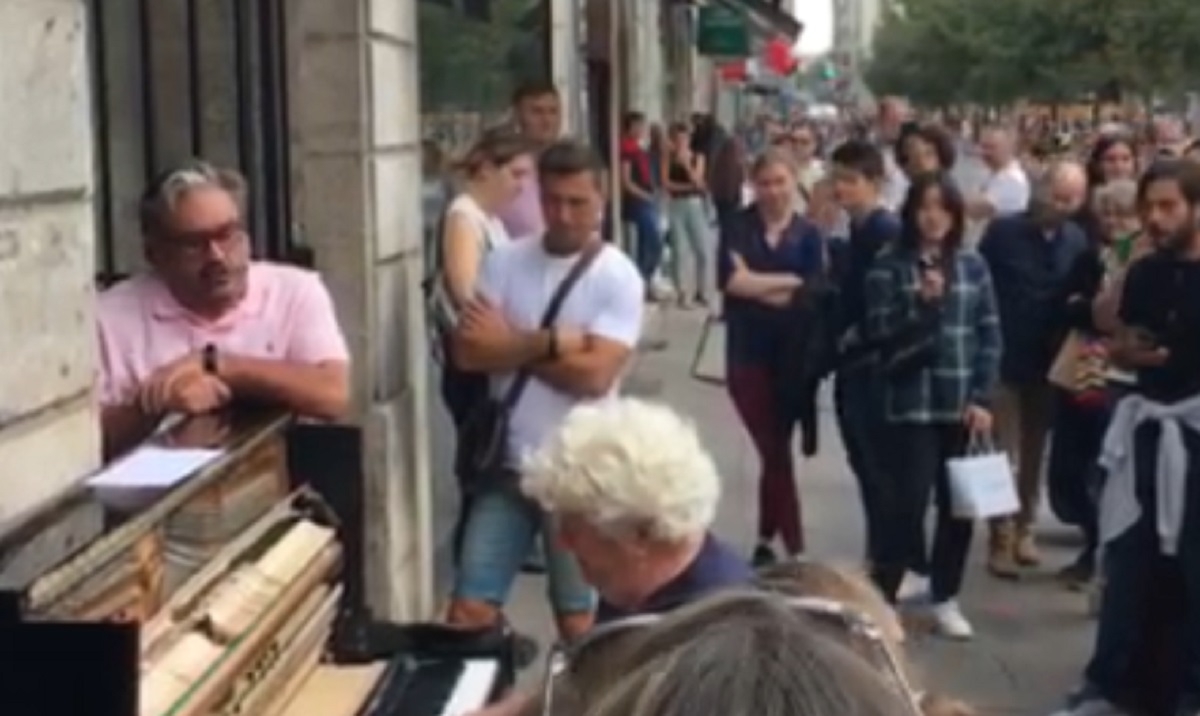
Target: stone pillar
{"type": "Point", "coordinates": [356, 124]}
{"type": "Point", "coordinates": [644, 67]}
{"type": "Point", "coordinates": [567, 33]}
{"type": "Point", "coordinates": [49, 428]}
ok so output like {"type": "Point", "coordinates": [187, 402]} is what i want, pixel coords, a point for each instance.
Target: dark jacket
{"type": "Point", "coordinates": [808, 356]}
{"type": "Point", "coordinates": [1029, 272]}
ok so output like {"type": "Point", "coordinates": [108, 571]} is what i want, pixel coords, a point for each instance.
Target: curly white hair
{"type": "Point", "coordinates": [627, 464]}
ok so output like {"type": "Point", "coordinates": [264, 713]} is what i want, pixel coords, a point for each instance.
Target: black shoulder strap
{"type": "Point", "coordinates": [589, 254]}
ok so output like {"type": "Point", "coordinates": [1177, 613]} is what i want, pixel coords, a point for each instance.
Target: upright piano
{"type": "Point", "coordinates": [246, 580]}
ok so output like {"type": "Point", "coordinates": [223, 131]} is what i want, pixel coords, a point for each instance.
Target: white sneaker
{"type": "Point", "coordinates": [1092, 707]}
{"type": "Point", "coordinates": [914, 588]}
{"type": "Point", "coordinates": [948, 620]}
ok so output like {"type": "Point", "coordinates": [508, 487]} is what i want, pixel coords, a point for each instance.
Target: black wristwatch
{"type": "Point", "coordinates": [552, 346]}
{"type": "Point", "coordinates": [208, 358]}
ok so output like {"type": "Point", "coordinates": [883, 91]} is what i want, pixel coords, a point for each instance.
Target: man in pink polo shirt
{"type": "Point", "coordinates": [537, 112]}
{"type": "Point", "coordinates": [207, 324]}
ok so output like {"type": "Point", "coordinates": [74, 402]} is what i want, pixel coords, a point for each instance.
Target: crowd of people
{"type": "Point", "coordinates": [1044, 310]}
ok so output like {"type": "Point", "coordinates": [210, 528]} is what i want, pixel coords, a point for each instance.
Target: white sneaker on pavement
{"type": "Point", "coordinates": [948, 620]}
{"type": "Point", "coordinates": [913, 588]}
{"type": "Point", "coordinates": [1092, 707]}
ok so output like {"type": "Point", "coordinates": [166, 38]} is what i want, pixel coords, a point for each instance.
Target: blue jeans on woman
{"type": "Point", "coordinates": [648, 250]}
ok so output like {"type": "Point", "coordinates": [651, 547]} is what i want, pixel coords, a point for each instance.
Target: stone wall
{"type": "Point", "coordinates": [49, 435]}
{"type": "Point", "coordinates": [357, 163]}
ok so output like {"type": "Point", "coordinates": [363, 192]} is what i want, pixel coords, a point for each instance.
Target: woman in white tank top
{"type": "Point", "coordinates": [495, 170]}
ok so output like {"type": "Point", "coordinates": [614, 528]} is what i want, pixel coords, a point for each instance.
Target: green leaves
{"type": "Point", "coordinates": [942, 52]}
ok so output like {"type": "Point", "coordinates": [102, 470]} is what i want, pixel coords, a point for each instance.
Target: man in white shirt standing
{"type": "Point", "coordinates": [893, 113]}
{"type": "Point", "coordinates": [579, 359]}
{"type": "Point", "coordinates": [1005, 190]}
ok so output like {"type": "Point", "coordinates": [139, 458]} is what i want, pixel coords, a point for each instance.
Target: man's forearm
{"type": "Point", "coordinates": [122, 427]}
{"type": "Point", "coordinates": [584, 374]}
{"type": "Point", "coordinates": [522, 348]}
{"type": "Point", "coordinates": [316, 391]}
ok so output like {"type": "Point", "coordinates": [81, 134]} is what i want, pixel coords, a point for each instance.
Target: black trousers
{"type": "Point", "coordinates": [1073, 475]}
{"type": "Point", "coordinates": [920, 453]}
{"type": "Point", "coordinates": [858, 401]}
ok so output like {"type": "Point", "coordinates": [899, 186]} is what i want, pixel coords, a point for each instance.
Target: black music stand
{"type": "Point", "coordinates": [329, 459]}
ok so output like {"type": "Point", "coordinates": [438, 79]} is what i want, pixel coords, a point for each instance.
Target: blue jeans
{"type": "Point", "coordinates": [501, 529]}
{"type": "Point", "coordinates": [648, 250]}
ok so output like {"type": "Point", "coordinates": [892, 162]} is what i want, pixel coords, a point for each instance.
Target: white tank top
{"type": "Point", "coordinates": [492, 231]}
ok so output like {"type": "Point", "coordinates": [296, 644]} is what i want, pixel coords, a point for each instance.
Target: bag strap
{"type": "Point", "coordinates": [589, 254]}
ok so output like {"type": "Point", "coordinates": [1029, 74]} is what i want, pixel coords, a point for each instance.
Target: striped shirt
{"type": "Point", "coordinates": [965, 369]}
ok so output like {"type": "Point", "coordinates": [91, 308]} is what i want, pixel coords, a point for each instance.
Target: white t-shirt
{"type": "Point", "coordinates": [1007, 190]}
{"type": "Point", "coordinates": [895, 183]}
{"type": "Point", "coordinates": [520, 278]}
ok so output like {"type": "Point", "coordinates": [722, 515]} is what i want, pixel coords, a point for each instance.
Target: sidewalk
{"type": "Point", "coordinates": [1032, 636]}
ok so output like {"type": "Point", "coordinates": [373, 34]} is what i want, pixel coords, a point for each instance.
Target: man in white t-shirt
{"type": "Point", "coordinates": [1005, 191]}
{"type": "Point", "coordinates": [579, 360]}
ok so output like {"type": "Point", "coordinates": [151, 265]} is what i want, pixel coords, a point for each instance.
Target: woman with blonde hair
{"type": "Point", "coordinates": [852, 587]}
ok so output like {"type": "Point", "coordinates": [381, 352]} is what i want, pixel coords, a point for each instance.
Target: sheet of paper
{"type": "Point", "coordinates": [153, 466]}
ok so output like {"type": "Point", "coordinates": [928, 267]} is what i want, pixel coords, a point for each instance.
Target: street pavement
{"type": "Point", "coordinates": [1032, 636]}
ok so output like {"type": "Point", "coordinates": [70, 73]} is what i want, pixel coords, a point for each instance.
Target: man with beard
{"type": "Point", "coordinates": [1148, 509]}
{"type": "Point", "coordinates": [1030, 256]}
{"type": "Point", "coordinates": [207, 324]}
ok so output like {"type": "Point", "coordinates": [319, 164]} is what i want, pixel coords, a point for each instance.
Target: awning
{"type": "Point", "coordinates": [767, 18]}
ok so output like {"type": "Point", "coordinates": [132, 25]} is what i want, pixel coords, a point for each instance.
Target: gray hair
{"type": "Point", "coordinates": [742, 653]}
{"type": "Point", "coordinates": [161, 197]}
{"type": "Point", "coordinates": [1121, 195]}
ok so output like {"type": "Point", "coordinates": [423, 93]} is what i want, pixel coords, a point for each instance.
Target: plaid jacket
{"type": "Point", "coordinates": [967, 364]}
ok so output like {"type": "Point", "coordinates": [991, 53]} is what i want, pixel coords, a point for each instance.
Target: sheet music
{"type": "Point", "coordinates": [138, 478]}
{"type": "Point", "coordinates": [153, 466]}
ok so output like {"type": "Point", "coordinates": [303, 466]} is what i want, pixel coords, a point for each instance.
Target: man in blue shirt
{"type": "Point", "coordinates": [858, 174]}
{"type": "Point", "coordinates": [632, 494]}
{"type": "Point", "coordinates": [1030, 256]}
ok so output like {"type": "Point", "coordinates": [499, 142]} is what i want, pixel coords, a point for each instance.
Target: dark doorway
{"type": "Point", "coordinates": [188, 78]}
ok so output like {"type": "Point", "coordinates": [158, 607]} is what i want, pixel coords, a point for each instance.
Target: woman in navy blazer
{"type": "Point", "coordinates": [766, 254]}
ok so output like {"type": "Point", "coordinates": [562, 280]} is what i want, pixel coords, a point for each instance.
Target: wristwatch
{"type": "Point", "coordinates": [552, 346]}
{"type": "Point", "coordinates": [208, 358]}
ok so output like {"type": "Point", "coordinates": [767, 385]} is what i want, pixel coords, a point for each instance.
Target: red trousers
{"type": "Point", "coordinates": [756, 398]}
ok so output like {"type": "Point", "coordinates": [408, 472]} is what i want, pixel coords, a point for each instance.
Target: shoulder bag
{"type": "Point", "coordinates": [481, 455]}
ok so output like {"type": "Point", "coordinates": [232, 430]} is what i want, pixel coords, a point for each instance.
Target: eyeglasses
{"type": "Point", "coordinates": [198, 243]}
{"type": "Point", "coordinates": [830, 613]}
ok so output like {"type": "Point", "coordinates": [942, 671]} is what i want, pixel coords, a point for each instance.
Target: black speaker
{"type": "Point", "coordinates": [329, 460]}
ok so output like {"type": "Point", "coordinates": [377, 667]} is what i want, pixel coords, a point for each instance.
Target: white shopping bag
{"type": "Point", "coordinates": [981, 483]}
{"type": "Point", "coordinates": [708, 364]}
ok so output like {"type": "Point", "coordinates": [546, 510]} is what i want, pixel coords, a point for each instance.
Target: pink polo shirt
{"type": "Point", "coordinates": [287, 314]}
{"type": "Point", "coordinates": [523, 217]}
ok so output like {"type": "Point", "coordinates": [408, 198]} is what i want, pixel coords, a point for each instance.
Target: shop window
{"type": "Point", "coordinates": [470, 67]}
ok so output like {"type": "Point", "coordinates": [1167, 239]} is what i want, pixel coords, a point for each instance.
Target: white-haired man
{"type": "Point", "coordinates": [633, 494]}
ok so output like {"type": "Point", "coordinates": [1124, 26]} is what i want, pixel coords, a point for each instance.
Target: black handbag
{"type": "Point", "coordinates": [481, 455]}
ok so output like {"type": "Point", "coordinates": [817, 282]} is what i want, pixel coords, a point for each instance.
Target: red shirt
{"type": "Point", "coordinates": [639, 160]}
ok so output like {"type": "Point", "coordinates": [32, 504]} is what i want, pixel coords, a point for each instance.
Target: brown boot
{"type": "Point", "coordinates": [1002, 561]}
{"type": "Point", "coordinates": [572, 626]}
{"type": "Point", "coordinates": [472, 614]}
{"type": "Point", "coordinates": [1025, 550]}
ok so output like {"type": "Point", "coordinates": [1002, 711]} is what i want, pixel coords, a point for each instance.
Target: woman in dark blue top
{"type": "Point", "coordinates": [765, 257]}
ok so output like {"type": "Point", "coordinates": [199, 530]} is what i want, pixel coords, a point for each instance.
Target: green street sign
{"type": "Point", "coordinates": [722, 31]}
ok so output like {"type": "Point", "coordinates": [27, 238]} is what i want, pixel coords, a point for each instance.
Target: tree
{"type": "Point", "coordinates": [943, 51]}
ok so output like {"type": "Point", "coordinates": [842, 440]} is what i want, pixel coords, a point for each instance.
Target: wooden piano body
{"type": "Point", "coordinates": [247, 581]}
